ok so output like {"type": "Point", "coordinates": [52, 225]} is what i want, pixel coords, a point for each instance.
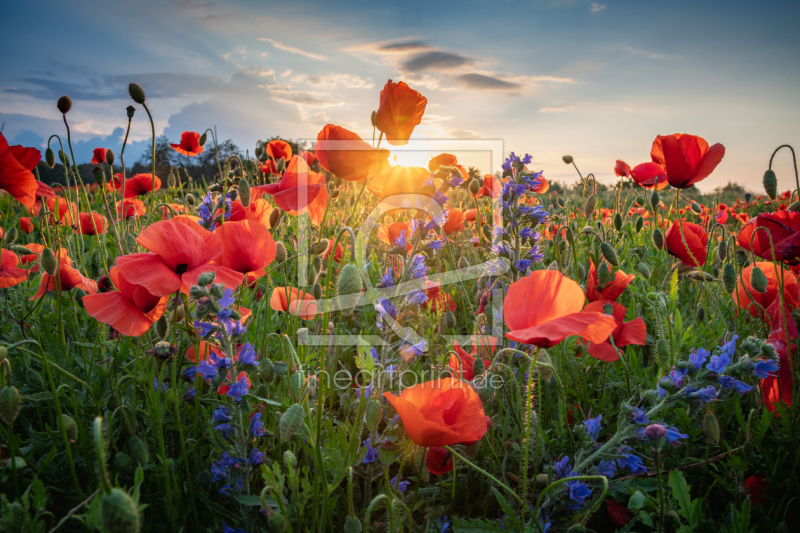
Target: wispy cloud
{"type": "Point", "coordinates": [474, 80]}
{"type": "Point", "coordinates": [292, 49]}
{"type": "Point", "coordinates": [646, 53]}
{"type": "Point", "coordinates": [558, 109]}
{"type": "Point", "coordinates": [596, 8]}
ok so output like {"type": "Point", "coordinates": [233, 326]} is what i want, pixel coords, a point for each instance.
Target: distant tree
{"type": "Point", "coordinates": [556, 187]}
{"type": "Point", "coordinates": [474, 173]}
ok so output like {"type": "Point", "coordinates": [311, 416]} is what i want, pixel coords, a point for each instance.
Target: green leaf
{"type": "Point", "coordinates": [473, 525]}
{"type": "Point", "coordinates": [507, 509]}
{"type": "Point", "coordinates": [637, 500]}
{"type": "Point", "coordinates": [263, 400]}
{"type": "Point", "coordinates": [248, 500]}
{"type": "Point", "coordinates": [673, 288]}
{"type": "Point", "coordinates": [680, 491]}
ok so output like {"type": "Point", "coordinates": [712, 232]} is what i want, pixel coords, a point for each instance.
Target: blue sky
{"type": "Point", "coordinates": [598, 80]}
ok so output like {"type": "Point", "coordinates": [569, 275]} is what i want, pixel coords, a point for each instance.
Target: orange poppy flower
{"type": "Point", "coordinates": [269, 167]}
{"type": "Point", "coordinates": [337, 257]}
{"type": "Point", "coordinates": [99, 156]}
{"type": "Point", "coordinates": [344, 154]}
{"type": "Point", "coordinates": [10, 274]}
{"type": "Point", "coordinates": [391, 233]}
{"type": "Point", "coordinates": [694, 252]}
{"type": "Point", "coordinates": [130, 310]}
{"type": "Point", "coordinates": [454, 222]}
{"type": "Point", "coordinates": [249, 248]}
{"type": "Point", "coordinates": [140, 184]}
{"type": "Point", "coordinates": [633, 332]}
{"type": "Point", "coordinates": [438, 460]}
{"type": "Point", "coordinates": [180, 251]}
{"type": "Point", "coordinates": [492, 187]}
{"type": "Point", "coordinates": [309, 157]}
{"type": "Point", "coordinates": [438, 301]}
{"type": "Point", "coordinates": [687, 159]}
{"type": "Point", "coordinates": [16, 171]}
{"type": "Point", "coordinates": [259, 211]}
{"type": "Point", "coordinates": [401, 180]}
{"type": "Point", "coordinates": [69, 278]}
{"type": "Point", "coordinates": [279, 149]}
{"type": "Point", "coordinates": [442, 160]}
{"type": "Point", "coordinates": [294, 301]}
{"type": "Point", "coordinates": [400, 111]}
{"type": "Point", "coordinates": [177, 208]}
{"type": "Point", "coordinates": [131, 207]}
{"type": "Point", "coordinates": [543, 186]}
{"type": "Point", "coordinates": [299, 190]}
{"type": "Point", "coordinates": [440, 412]}
{"type": "Point", "coordinates": [782, 228]}
{"type": "Point", "coordinates": [646, 175]}
{"type": "Point", "coordinates": [189, 145]}
{"type": "Point", "coordinates": [471, 215]}
{"type": "Point", "coordinates": [544, 308]}
{"type": "Point", "coordinates": [462, 362]}
{"type": "Point", "coordinates": [26, 225]}
{"type": "Point", "coordinates": [37, 248]}
{"type": "Point", "coordinates": [622, 169]}
{"type": "Point", "coordinates": [721, 217]}
{"type": "Point", "coordinates": [745, 293]}
{"type": "Point", "coordinates": [612, 290]}
{"type": "Point", "coordinates": [92, 223]}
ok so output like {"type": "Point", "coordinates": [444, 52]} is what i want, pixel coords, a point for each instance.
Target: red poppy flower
{"type": "Point", "coordinates": [26, 225]}
{"type": "Point", "coordinates": [294, 301]}
{"type": "Point", "coordinates": [189, 145]}
{"type": "Point", "coordinates": [140, 184]}
{"type": "Point", "coordinates": [176, 208]}
{"type": "Point", "coordinates": [249, 248]}
{"type": "Point", "coordinates": [179, 252]}
{"type": "Point", "coordinates": [687, 158]}
{"type": "Point", "coordinates": [278, 149]}
{"type": "Point", "coordinates": [693, 253]}
{"type": "Point", "coordinates": [344, 154]}
{"type": "Point", "coordinates": [440, 412]}
{"type": "Point", "coordinates": [10, 274]}
{"type": "Point", "coordinates": [544, 308]}
{"type": "Point", "coordinates": [757, 488]}
{"type": "Point", "coordinates": [36, 250]}
{"type": "Point", "coordinates": [746, 294]}
{"type": "Point", "coordinates": [269, 167]}
{"type": "Point", "coordinates": [778, 388]}
{"type": "Point", "coordinates": [392, 232]}
{"type": "Point", "coordinates": [16, 171]}
{"type": "Point", "coordinates": [471, 215]}
{"type": "Point", "coordinates": [438, 460]}
{"type": "Point", "coordinates": [130, 310]}
{"type": "Point", "coordinates": [309, 157]}
{"type": "Point", "coordinates": [633, 332]}
{"type": "Point", "coordinates": [721, 216]}
{"type": "Point", "coordinates": [543, 186]}
{"type": "Point", "coordinates": [132, 207]}
{"type": "Point", "coordinates": [612, 290]}
{"type": "Point", "coordinates": [337, 257]}
{"type": "Point", "coordinates": [438, 301]}
{"type": "Point", "coordinates": [492, 187]}
{"type": "Point", "coordinates": [92, 223]}
{"type": "Point", "coordinates": [69, 278]}
{"type": "Point", "coordinates": [618, 514]}
{"type": "Point", "coordinates": [99, 156]}
{"type": "Point", "coordinates": [454, 222]}
{"type": "Point", "coordinates": [401, 180]}
{"type": "Point", "coordinates": [646, 175]}
{"type": "Point", "coordinates": [622, 169]}
{"type": "Point", "coordinates": [442, 160]}
{"type": "Point", "coordinates": [300, 190]}
{"type": "Point", "coordinates": [463, 362]}
{"type": "Point", "coordinates": [400, 111]}
{"type": "Point", "coordinates": [206, 349]}
{"type": "Point", "coordinates": [781, 228]}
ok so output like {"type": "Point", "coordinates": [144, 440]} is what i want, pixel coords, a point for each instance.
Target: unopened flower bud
{"type": "Point", "coordinates": [567, 159]}
{"type": "Point", "coordinates": [49, 262]}
{"type": "Point", "coordinates": [280, 252]}
{"type": "Point", "coordinates": [758, 280]}
{"type": "Point", "coordinates": [64, 104]}
{"type": "Point", "coordinates": [136, 93]}
{"type": "Point", "coordinates": [110, 157]}
{"type": "Point", "coordinates": [771, 184]}
{"type": "Point", "coordinates": [474, 186]}
{"type": "Point", "coordinates": [50, 157]}
{"type": "Point", "coordinates": [729, 277]}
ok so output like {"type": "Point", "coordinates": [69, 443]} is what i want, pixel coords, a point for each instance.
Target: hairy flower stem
{"type": "Point", "coordinates": [485, 473]}
{"type": "Point", "coordinates": [122, 182]}
{"type": "Point", "coordinates": [528, 407]}
{"type": "Point", "coordinates": [153, 132]}
{"type": "Point", "coordinates": [662, 502]}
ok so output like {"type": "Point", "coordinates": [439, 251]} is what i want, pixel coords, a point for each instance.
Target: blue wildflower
{"type": "Point", "coordinates": [606, 468]}
{"type": "Point", "coordinates": [630, 461]}
{"type": "Point", "coordinates": [256, 457]}
{"type": "Point", "coordinates": [257, 426]}
{"type": "Point", "coordinates": [639, 416]}
{"type": "Point", "coordinates": [739, 386]}
{"type": "Point", "coordinates": [673, 434]}
{"type": "Point", "coordinates": [416, 297]}
{"type": "Point", "coordinates": [247, 356]}
{"type": "Point", "coordinates": [704, 395]}
{"type": "Point", "coordinates": [239, 389]}
{"type": "Point", "coordinates": [698, 358]}
{"type": "Point", "coordinates": [578, 491]}
{"type": "Point", "coordinates": [729, 348]}
{"type": "Point", "coordinates": [562, 468]}
{"type": "Point", "coordinates": [227, 299]}
{"type": "Point", "coordinates": [401, 240]}
{"type": "Point", "coordinates": [402, 486]}
{"type": "Point", "coordinates": [593, 426]}
{"type": "Point", "coordinates": [718, 363]}
{"type": "Point", "coordinates": [372, 453]}
{"type": "Point", "coordinates": [227, 529]}
{"type": "Point", "coordinates": [417, 267]}
{"type": "Point", "coordinates": [763, 368]}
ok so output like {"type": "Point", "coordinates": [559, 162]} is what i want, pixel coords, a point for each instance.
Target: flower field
{"type": "Point", "coordinates": [313, 338]}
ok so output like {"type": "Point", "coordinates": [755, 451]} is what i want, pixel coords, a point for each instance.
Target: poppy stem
{"type": "Point", "coordinates": [526, 441]}
{"type": "Point", "coordinates": [153, 132]}
{"type": "Point", "coordinates": [485, 473]}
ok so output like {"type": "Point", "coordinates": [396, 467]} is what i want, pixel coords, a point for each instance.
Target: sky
{"type": "Point", "coordinates": [596, 80]}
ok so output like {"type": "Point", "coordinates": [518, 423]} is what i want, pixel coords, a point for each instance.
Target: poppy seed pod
{"type": "Point", "coordinates": [711, 428]}
{"type": "Point", "coordinates": [290, 422]}
{"type": "Point", "coordinates": [280, 252]}
{"type": "Point", "coordinates": [10, 402]}
{"type": "Point", "coordinates": [729, 277]}
{"type": "Point", "coordinates": [567, 159]}
{"type": "Point", "coordinates": [639, 224]}
{"type": "Point", "coordinates": [118, 512]}
{"type": "Point", "coordinates": [49, 262]}
{"type": "Point", "coordinates": [758, 280]}
{"type": "Point", "coordinates": [771, 184]}
{"type": "Point", "coordinates": [130, 110]}
{"type": "Point", "coordinates": [50, 157]}
{"type": "Point", "coordinates": [136, 93]}
{"type": "Point", "coordinates": [474, 186]}
{"type": "Point", "coordinates": [658, 239]}
{"type": "Point", "coordinates": [64, 104]}
{"type": "Point", "coordinates": [609, 254]}
{"type": "Point", "coordinates": [98, 175]}
{"type": "Point", "coordinates": [110, 157]}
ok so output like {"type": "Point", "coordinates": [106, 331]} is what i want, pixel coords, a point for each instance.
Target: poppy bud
{"type": "Point", "coordinates": [795, 206]}
{"type": "Point", "coordinates": [663, 357]}
{"type": "Point", "coordinates": [463, 262]}
{"type": "Point", "coordinates": [177, 317]}
{"type": "Point", "coordinates": [274, 218]}
{"type": "Point", "coordinates": [374, 414]}
{"type": "Point", "coordinates": [63, 158]}
{"type": "Point", "coordinates": [118, 512]}
{"type": "Point", "coordinates": [290, 423]}
{"type": "Point", "coordinates": [139, 450]}
{"type": "Point", "coordinates": [771, 184]}
{"type": "Point", "coordinates": [110, 157]}
{"type": "Point", "coordinates": [561, 203]}
{"type": "Point", "coordinates": [449, 320]}
{"type": "Point", "coordinates": [639, 224]}
{"type": "Point", "coordinates": [267, 371]}
{"type": "Point", "coordinates": [658, 239]}
{"type": "Point", "coordinates": [280, 252]}
{"type": "Point", "coordinates": [3, 353]}
{"type": "Point", "coordinates": [203, 138]}
{"type": "Point", "coordinates": [335, 193]}
{"type": "Point", "coordinates": [64, 104]}
{"type": "Point", "coordinates": [729, 277]}
{"type": "Point", "coordinates": [373, 118]}
{"type": "Point", "coordinates": [79, 294]}
{"type": "Point", "coordinates": [618, 221]}
{"type": "Point", "coordinates": [276, 523]}
{"type": "Point", "coordinates": [280, 165]}
{"type": "Point", "coordinates": [581, 272]}
{"type": "Point", "coordinates": [747, 196]}
{"type": "Point", "coordinates": [654, 199]}
{"type": "Point", "coordinates": [352, 524]}
{"type": "Point", "coordinates": [189, 199]}
{"type": "Point", "coordinates": [474, 186]}
{"type": "Point", "coordinates": [567, 159]}
{"type": "Point", "coordinates": [11, 236]}
{"type": "Point", "coordinates": [701, 314]}
{"type": "Point", "coordinates": [589, 205]}
{"type": "Point", "coordinates": [758, 280]}
{"type": "Point", "coordinates": [350, 282]}
{"type": "Point", "coordinates": [696, 207]}
{"type": "Point", "coordinates": [49, 262]}
{"type": "Point", "coordinates": [70, 427]}
{"type": "Point", "coordinates": [10, 402]}
{"type": "Point", "coordinates": [137, 94]}
{"type": "Point", "coordinates": [162, 326]}
{"type": "Point", "coordinates": [478, 366]}
{"type": "Point", "coordinates": [297, 380]}
{"type": "Point", "coordinates": [711, 428]}
{"type": "Point", "coordinates": [541, 481]}
{"type": "Point", "coordinates": [130, 110]}
{"type": "Point", "coordinates": [644, 270]}
{"type": "Point", "coordinates": [50, 157]}
{"type": "Point", "coordinates": [487, 232]}
{"type": "Point", "coordinates": [609, 253]}
{"type": "Point", "coordinates": [98, 175]}
{"type": "Point", "coordinates": [130, 242]}
{"type": "Point", "coordinates": [603, 275]}
{"type": "Point", "coordinates": [244, 192]}
{"type": "Point", "coordinates": [741, 258]}
{"type": "Point", "coordinates": [311, 275]}
{"type": "Point", "coordinates": [123, 462]}
{"type": "Point", "coordinates": [722, 250]}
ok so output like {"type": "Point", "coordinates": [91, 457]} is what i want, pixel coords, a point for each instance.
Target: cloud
{"type": "Point", "coordinates": [350, 81]}
{"type": "Point", "coordinates": [435, 60]}
{"type": "Point", "coordinates": [597, 7]}
{"type": "Point", "coordinates": [482, 82]}
{"type": "Point", "coordinates": [558, 109]}
{"type": "Point", "coordinates": [292, 49]}
{"type": "Point", "coordinates": [645, 53]}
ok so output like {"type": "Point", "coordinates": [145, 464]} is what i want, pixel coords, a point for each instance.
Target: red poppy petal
{"type": "Point", "coordinates": [633, 332]}
{"type": "Point", "coordinates": [148, 270]}
{"type": "Point", "coordinates": [114, 309]}
{"type": "Point", "coordinates": [594, 327]}
{"type": "Point", "coordinates": [708, 163]}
